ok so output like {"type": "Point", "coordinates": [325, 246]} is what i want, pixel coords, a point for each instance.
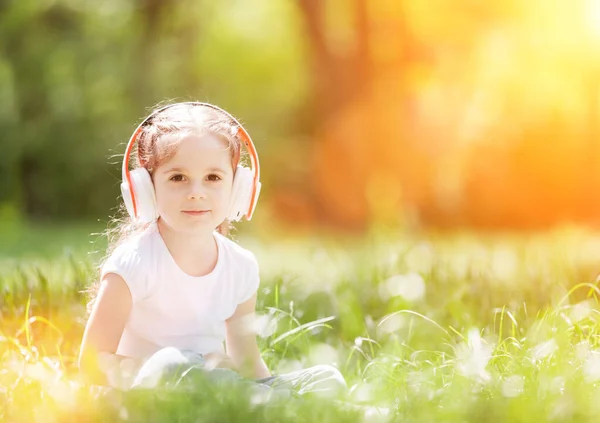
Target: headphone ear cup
{"type": "Point", "coordinates": [126, 195]}
{"type": "Point", "coordinates": [258, 186]}
{"type": "Point", "coordinates": [145, 197]}
{"type": "Point", "coordinates": [241, 193]}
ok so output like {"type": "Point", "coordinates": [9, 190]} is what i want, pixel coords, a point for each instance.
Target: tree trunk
{"type": "Point", "coordinates": [336, 79]}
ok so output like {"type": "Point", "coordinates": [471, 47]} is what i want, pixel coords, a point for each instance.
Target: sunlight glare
{"type": "Point", "coordinates": [593, 17]}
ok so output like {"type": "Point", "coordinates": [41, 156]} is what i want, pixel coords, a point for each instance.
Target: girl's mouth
{"type": "Point", "coordinates": [195, 212]}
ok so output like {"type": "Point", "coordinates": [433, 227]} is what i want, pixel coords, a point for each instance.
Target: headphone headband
{"type": "Point", "coordinates": [239, 131]}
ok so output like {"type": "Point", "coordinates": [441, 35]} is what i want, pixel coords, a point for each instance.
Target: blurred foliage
{"type": "Point", "coordinates": [76, 77]}
{"type": "Point", "coordinates": [462, 113]}
{"type": "Point", "coordinates": [394, 112]}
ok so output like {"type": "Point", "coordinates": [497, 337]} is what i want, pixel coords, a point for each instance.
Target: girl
{"type": "Point", "coordinates": [174, 290]}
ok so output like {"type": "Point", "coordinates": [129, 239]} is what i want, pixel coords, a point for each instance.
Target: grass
{"type": "Point", "coordinates": [457, 327]}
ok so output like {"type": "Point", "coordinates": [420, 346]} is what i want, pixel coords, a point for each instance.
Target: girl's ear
{"type": "Point", "coordinates": [241, 194]}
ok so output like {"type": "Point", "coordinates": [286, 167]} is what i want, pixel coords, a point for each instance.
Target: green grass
{"type": "Point", "coordinates": [434, 327]}
{"type": "Point", "coordinates": [34, 240]}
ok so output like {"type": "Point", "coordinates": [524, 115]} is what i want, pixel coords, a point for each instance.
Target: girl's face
{"type": "Point", "coordinates": [193, 188]}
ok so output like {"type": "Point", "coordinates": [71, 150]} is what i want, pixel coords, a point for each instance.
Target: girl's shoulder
{"type": "Point", "coordinates": [138, 244]}
{"type": "Point", "coordinates": [134, 260]}
{"type": "Point", "coordinates": [238, 254]}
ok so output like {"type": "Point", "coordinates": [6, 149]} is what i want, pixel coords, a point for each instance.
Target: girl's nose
{"type": "Point", "coordinates": [196, 192]}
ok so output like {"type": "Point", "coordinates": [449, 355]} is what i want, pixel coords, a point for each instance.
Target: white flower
{"type": "Point", "coordinates": [264, 325]}
{"type": "Point", "coordinates": [544, 349]}
{"type": "Point", "coordinates": [364, 392]}
{"type": "Point", "coordinates": [473, 356]}
{"type": "Point", "coordinates": [392, 323]}
{"type": "Point", "coordinates": [580, 311]}
{"type": "Point", "coordinates": [411, 287]}
{"type": "Point", "coordinates": [582, 350]}
{"type": "Point", "coordinates": [591, 367]}
{"type": "Point", "coordinates": [512, 386]}
{"type": "Point", "coordinates": [323, 354]}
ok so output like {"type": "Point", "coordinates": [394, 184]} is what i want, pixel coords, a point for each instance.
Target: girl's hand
{"type": "Point", "coordinates": [218, 360]}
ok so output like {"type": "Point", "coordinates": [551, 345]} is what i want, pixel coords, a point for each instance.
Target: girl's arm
{"type": "Point", "coordinates": [103, 331]}
{"type": "Point", "coordinates": [241, 342]}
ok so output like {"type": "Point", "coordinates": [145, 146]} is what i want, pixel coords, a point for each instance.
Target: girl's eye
{"type": "Point", "coordinates": [213, 178]}
{"type": "Point", "coordinates": [176, 178]}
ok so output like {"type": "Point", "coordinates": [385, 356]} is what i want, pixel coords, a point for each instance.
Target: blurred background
{"type": "Point", "coordinates": [402, 114]}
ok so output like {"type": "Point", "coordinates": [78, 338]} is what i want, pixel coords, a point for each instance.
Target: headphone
{"type": "Point", "coordinates": [137, 188]}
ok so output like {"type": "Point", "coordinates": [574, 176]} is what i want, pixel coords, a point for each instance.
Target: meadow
{"type": "Point", "coordinates": [425, 327]}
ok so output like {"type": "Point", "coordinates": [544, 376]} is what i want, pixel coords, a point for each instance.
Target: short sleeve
{"type": "Point", "coordinates": [251, 281]}
{"type": "Point", "coordinates": [127, 264]}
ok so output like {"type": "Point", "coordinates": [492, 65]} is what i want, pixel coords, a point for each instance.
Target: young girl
{"type": "Point", "coordinates": [175, 293]}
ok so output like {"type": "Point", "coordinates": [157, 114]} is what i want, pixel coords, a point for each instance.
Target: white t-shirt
{"type": "Point", "coordinates": [172, 308]}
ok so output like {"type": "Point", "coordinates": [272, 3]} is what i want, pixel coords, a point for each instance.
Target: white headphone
{"type": "Point", "coordinates": [137, 188]}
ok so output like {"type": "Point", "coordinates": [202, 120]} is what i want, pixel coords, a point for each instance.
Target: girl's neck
{"type": "Point", "coordinates": [195, 255]}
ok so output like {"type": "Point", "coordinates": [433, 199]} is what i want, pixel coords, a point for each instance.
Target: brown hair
{"type": "Point", "coordinates": [156, 144]}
